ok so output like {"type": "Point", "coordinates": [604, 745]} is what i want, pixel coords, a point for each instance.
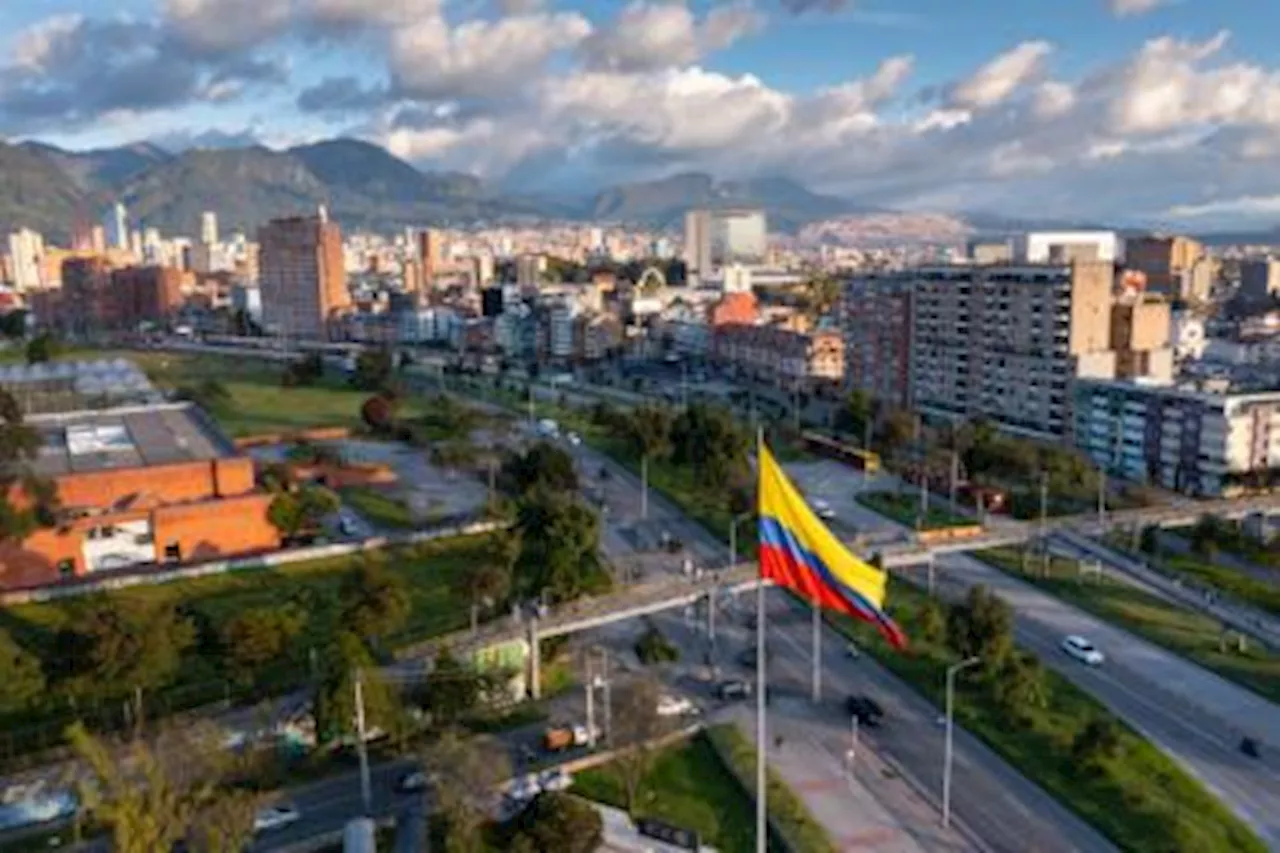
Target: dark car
{"type": "Point", "coordinates": [734, 690]}
{"type": "Point", "coordinates": [413, 782]}
{"type": "Point", "coordinates": [865, 709]}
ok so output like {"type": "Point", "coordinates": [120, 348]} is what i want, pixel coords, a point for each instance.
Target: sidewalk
{"type": "Point", "coordinates": [877, 810]}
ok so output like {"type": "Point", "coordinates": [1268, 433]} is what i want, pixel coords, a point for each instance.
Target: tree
{"type": "Point", "coordinates": [556, 823]}
{"type": "Point", "coordinates": [21, 678]}
{"type": "Point", "coordinates": [43, 347]}
{"type": "Point", "coordinates": [710, 442]}
{"type": "Point", "coordinates": [982, 626]}
{"type": "Point", "coordinates": [636, 723]}
{"type": "Point", "coordinates": [256, 637]}
{"type": "Point", "coordinates": [559, 540]}
{"type": "Point", "coordinates": [301, 512]}
{"type": "Point", "coordinates": [13, 323]}
{"type": "Point", "coordinates": [1021, 685]}
{"type": "Point", "coordinates": [1096, 743]}
{"type": "Point", "coordinates": [1150, 540]}
{"type": "Point", "coordinates": [648, 431]}
{"type": "Point", "coordinates": [466, 773]}
{"type": "Point", "coordinates": [653, 647]}
{"type": "Point", "coordinates": [859, 410]}
{"type": "Point", "coordinates": [543, 466]}
{"type": "Point", "coordinates": [488, 581]}
{"type": "Point", "coordinates": [821, 294]}
{"type": "Point", "coordinates": [379, 412]}
{"type": "Point", "coordinates": [335, 706]}
{"type": "Point", "coordinates": [126, 643]}
{"type": "Point", "coordinates": [897, 429]}
{"type": "Point", "coordinates": [36, 502]}
{"type": "Point", "coordinates": [373, 369]}
{"type": "Point", "coordinates": [304, 371]}
{"type": "Point", "coordinates": [375, 601]}
{"type": "Point", "coordinates": [931, 621]}
{"type": "Point", "coordinates": [452, 690]}
{"type": "Point", "coordinates": [153, 793]}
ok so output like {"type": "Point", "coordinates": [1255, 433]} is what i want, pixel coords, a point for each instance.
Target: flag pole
{"type": "Point", "coordinates": [762, 811]}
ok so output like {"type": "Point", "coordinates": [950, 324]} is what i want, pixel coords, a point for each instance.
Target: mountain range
{"type": "Point", "coordinates": [363, 186]}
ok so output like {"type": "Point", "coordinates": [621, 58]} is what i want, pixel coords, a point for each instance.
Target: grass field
{"type": "Point", "coordinates": [687, 786]}
{"type": "Point", "coordinates": [1142, 800]}
{"type": "Point", "coordinates": [1231, 581]}
{"type": "Point", "coordinates": [429, 571]}
{"type": "Point", "coordinates": [1190, 634]}
{"type": "Point", "coordinates": [905, 509]}
{"type": "Point", "coordinates": [379, 507]}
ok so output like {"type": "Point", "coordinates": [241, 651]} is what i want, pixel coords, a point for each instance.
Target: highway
{"type": "Point", "coordinates": [1000, 806]}
{"type": "Point", "coordinates": [1190, 713]}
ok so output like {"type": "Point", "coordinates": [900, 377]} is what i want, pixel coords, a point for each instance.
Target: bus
{"type": "Point", "coordinates": [866, 461]}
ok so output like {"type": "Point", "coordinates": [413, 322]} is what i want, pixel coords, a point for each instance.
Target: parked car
{"type": "Point", "coordinates": [275, 817]}
{"type": "Point", "coordinates": [822, 509]}
{"type": "Point", "coordinates": [413, 782]}
{"type": "Point", "coordinates": [1082, 650]}
{"type": "Point", "coordinates": [734, 690]}
{"type": "Point", "coordinates": [523, 788]}
{"type": "Point", "coordinates": [555, 779]}
{"type": "Point", "coordinates": [675, 706]}
{"type": "Point", "coordinates": [866, 710]}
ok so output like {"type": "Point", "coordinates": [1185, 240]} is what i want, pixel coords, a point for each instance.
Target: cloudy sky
{"type": "Point", "coordinates": [1128, 110]}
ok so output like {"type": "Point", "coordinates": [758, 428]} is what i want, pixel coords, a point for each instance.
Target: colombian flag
{"type": "Point", "coordinates": [798, 552]}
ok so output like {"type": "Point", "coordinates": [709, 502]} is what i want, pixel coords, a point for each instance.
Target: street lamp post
{"type": "Point", "coordinates": [946, 760]}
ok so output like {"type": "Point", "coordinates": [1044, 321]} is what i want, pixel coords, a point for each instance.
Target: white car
{"type": "Point", "coordinates": [574, 439]}
{"type": "Point", "coordinates": [1082, 650]}
{"type": "Point", "coordinates": [523, 788]}
{"type": "Point", "coordinates": [675, 706]}
{"type": "Point", "coordinates": [275, 817]}
{"type": "Point", "coordinates": [556, 779]}
{"type": "Point", "coordinates": [822, 509]}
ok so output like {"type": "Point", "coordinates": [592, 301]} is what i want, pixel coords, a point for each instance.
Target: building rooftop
{"type": "Point", "coordinates": [127, 437]}
{"type": "Point", "coordinates": [68, 386]}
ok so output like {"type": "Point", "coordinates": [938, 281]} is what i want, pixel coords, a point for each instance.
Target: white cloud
{"type": "Point", "coordinates": [227, 25]}
{"type": "Point", "coordinates": [34, 48]}
{"type": "Point", "coordinates": [1128, 8]}
{"type": "Point", "coordinates": [659, 34]}
{"type": "Point", "coordinates": [997, 80]}
{"type": "Point", "coordinates": [479, 58]}
{"type": "Point", "coordinates": [1054, 98]}
{"type": "Point", "coordinates": [1250, 205]}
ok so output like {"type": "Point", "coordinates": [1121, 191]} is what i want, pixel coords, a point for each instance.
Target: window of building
{"type": "Point", "coordinates": [173, 551]}
{"type": "Point", "coordinates": [66, 568]}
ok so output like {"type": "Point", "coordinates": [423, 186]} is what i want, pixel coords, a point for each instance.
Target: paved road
{"type": "Point", "coordinates": [1190, 713]}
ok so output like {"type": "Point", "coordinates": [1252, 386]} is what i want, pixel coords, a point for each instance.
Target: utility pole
{"type": "Point", "coordinates": [946, 760]}
{"type": "Point", "coordinates": [591, 704]}
{"type": "Point", "coordinates": [853, 741]}
{"type": "Point", "coordinates": [362, 748]}
{"type": "Point", "coordinates": [1044, 518]}
{"type": "Point", "coordinates": [644, 486]}
{"type": "Point", "coordinates": [608, 697]}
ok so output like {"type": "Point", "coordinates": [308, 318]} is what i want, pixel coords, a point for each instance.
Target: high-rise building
{"type": "Point", "coordinates": [1140, 338]}
{"type": "Point", "coordinates": [1064, 247]}
{"type": "Point", "coordinates": [877, 322]}
{"type": "Point", "coordinates": [739, 237]}
{"type": "Point", "coordinates": [1260, 278]}
{"type": "Point", "coordinates": [697, 246]}
{"type": "Point", "coordinates": [26, 254]}
{"type": "Point", "coordinates": [1166, 261]}
{"type": "Point", "coordinates": [1002, 342]}
{"type": "Point", "coordinates": [208, 228]}
{"type": "Point", "coordinates": [431, 254]}
{"type": "Point", "coordinates": [301, 275]}
{"type": "Point", "coordinates": [115, 225]}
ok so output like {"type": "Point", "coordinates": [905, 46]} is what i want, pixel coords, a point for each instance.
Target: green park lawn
{"type": "Point", "coordinates": [1185, 632]}
{"type": "Point", "coordinates": [1235, 583]}
{"type": "Point", "coordinates": [430, 571]}
{"type": "Point", "coordinates": [379, 507]}
{"type": "Point", "coordinates": [1141, 800]}
{"type": "Point", "coordinates": [687, 786]}
{"type": "Point", "coordinates": [905, 509]}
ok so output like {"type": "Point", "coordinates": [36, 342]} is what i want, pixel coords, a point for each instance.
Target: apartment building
{"type": "Point", "coordinates": [1171, 264]}
{"type": "Point", "coordinates": [1002, 342]}
{"type": "Point", "coordinates": [302, 276]}
{"type": "Point", "coordinates": [789, 358]}
{"type": "Point", "coordinates": [876, 319]}
{"type": "Point", "coordinates": [1260, 279]}
{"type": "Point", "coordinates": [1193, 441]}
{"type": "Point", "coordinates": [1140, 328]}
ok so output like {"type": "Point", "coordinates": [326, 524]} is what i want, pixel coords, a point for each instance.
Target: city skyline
{"type": "Point", "coordinates": [1128, 109]}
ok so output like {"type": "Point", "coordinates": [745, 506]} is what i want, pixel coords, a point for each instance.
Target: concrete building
{"type": "Point", "coordinates": [1186, 335]}
{"type": "Point", "coordinates": [1064, 247]}
{"type": "Point", "coordinates": [431, 256]}
{"type": "Point", "coordinates": [1167, 261]}
{"type": "Point", "coordinates": [697, 246]}
{"type": "Point", "coordinates": [26, 256]}
{"type": "Point", "coordinates": [301, 275]}
{"type": "Point", "coordinates": [1260, 279]}
{"type": "Point", "coordinates": [115, 225]}
{"type": "Point", "coordinates": [1140, 338]}
{"type": "Point", "coordinates": [209, 228]}
{"type": "Point", "coordinates": [790, 359]}
{"type": "Point", "coordinates": [137, 486]}
{"type": "Point", "coordinates": [990, 252]}
{"type": "Point", "coordinates": [739, 237]}
{"type": "Point", "coordinates": [877, 320]}
{"type": "Point", "coordinates": [1005, 342]}
{"type": "Point", "coordinates": [1200, 443]}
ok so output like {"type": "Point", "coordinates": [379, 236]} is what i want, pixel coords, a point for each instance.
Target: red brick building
{"type": "Point", "coordinates": [138, 486]}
